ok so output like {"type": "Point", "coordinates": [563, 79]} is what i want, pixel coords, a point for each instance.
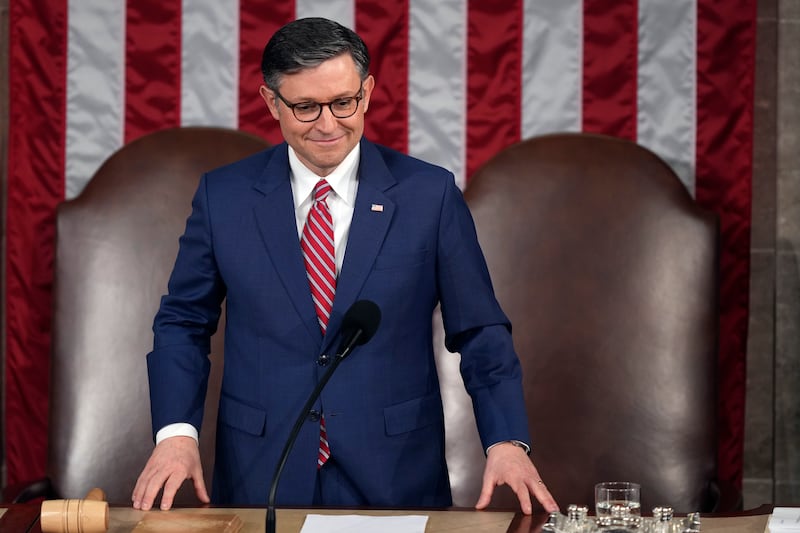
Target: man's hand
{"type": "Point", "coordinates": [508, 464]}
{"type": "Point", "coordinates": [173, 461]}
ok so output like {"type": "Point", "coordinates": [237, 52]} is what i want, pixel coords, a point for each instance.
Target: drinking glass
{"type": "Point", "coordinates": [617, 503]}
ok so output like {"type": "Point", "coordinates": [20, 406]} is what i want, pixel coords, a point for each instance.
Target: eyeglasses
{"type": "Point", "coordinates": [311, 111]}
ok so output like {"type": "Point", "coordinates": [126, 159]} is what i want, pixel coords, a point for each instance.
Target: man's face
{"type": "Point", "coordinates": [322, 144]}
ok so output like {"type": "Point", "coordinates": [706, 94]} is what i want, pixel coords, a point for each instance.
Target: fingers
{"type": "Point", "coordinates": [523, 490]}
{"type": "Point", "coordinates": [147, 487]}
{"type": "Point", "coordinates": [519, 488]}
{"type": "Point", "coordinates": [539, 489]}
{"type": "Point", "coordinates": [486, 493]}
{"type": "Point", "coordinates": [524, 497]}
{"type": "Point", "coordinates": [173, 484]}
{"type": "Point", "coordinates": [172, 462]}
{"type": "Point", "coordinates": [200, 487]}
{"type": "Point", "coordinates": [507, 464]}
{"type": "Point", "coordinates": [171, 487]}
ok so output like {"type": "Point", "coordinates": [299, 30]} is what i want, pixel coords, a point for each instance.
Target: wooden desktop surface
{"type": "Point", "coordinates": [21, 518]}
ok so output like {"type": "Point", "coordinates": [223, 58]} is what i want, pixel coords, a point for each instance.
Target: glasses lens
{"type": "Point", "coordinates": [306, 111]}
{"type": "Point", "coordinates": [344, 107]}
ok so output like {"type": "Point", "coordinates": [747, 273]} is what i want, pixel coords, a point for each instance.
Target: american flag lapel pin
{"type": "Point", "coordinates": [378, 208]}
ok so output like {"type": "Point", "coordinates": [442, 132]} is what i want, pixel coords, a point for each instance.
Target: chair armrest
{"type": "Point", "coordinates": [724, 497]}
{"type": "Point", "coordinates": [26, 492]}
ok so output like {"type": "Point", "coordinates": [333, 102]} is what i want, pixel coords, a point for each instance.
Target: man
{"type": "Point", "coordinates": [260, 236]}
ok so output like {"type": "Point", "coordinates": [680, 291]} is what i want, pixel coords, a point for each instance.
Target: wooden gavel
{"type": "Point", "coordinates": [89, 515]}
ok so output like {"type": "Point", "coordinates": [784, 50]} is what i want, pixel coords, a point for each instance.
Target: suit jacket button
{"type": "Point", "coordinates": [313, 415]}
{"type": "Point", "coordinates": [323, 360]}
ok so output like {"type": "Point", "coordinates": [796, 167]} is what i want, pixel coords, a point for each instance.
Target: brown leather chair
{"type": "Point", "coordinates": [116, 245]}
{"type": "Point", "coordinates": [608, 271]}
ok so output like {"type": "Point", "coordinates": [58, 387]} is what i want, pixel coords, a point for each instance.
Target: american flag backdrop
{"type": "Point", "coordinates": [457, 81]}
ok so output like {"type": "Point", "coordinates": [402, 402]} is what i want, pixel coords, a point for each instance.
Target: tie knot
{"type": "Point", "coordinates": [321, 190]}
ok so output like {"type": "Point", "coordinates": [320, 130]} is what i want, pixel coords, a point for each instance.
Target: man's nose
{"type": "Point", "coordinates": [326, 120]}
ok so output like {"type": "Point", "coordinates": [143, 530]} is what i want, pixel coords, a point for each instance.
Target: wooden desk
{"type": "Point", "coordinates": [23, 518]}
{"type": "Point", "coordinates": [18, 518]}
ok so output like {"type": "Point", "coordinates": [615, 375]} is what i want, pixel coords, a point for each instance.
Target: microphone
{"type": "Point", "coordinates": [358, 326]}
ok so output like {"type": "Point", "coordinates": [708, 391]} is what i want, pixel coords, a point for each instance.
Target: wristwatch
{"type": "Point", "coordinates": [520, 444]}
{"type": "Point", "coordinates": [517, 443]}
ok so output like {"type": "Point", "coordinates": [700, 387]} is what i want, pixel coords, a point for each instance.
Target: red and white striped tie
{"type": "Point", "coordinates": [318, 253]}
{"type": "Point", "coordinates": [324, 451]}
{"type": "Point", "coordinates": [320, 260]}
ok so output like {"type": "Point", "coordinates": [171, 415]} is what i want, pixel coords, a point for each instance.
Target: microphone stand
{"type": "Point", "coordinates": [273, 490]}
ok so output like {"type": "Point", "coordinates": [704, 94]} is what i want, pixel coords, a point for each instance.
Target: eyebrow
{"type": "Point", "coordinates": [301, 99]}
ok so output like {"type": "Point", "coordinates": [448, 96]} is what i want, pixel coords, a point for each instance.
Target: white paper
{"type": "Point", "coordinates": [317, 523]}
{"type": "Point", "coordinates": [784, 519]}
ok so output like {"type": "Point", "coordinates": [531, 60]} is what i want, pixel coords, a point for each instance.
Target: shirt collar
{"type": "Point", "coordinates": [342, 180]}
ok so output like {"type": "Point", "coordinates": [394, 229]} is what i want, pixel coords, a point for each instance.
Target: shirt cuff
{"type": "Point", "coordinates": [177, 430]}
{"type": "Point", "coordinates": [517, 443]}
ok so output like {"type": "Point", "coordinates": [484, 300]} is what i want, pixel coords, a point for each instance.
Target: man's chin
{"type": "Point", "coordinates": [328, 162]}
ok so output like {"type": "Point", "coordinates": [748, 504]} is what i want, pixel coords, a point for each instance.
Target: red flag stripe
{"type": "Point", "coordinates": [725, 70]}
{"type": "Point", "coordinates": [494, 77]}
{"type": "Point", "coordinates": [36, 144]}
{"type": "Point", "coordinates": [384, 27]}
{"type": "Point", "coordinates": [152, 66]}
{"type": "Point", "coordinates": [610, 45]}
{"type": "Point", "coordinates": [256, 25]}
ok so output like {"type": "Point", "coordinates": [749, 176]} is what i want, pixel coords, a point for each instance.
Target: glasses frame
{"type": "Point", "coordinates": [357, 97]}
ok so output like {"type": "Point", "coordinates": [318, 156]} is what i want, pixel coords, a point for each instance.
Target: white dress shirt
{"type": "Point", "coordinates": [341, 202]}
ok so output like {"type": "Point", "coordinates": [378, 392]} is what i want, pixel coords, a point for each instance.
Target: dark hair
{"type": "Point", "coordinates": [308, 42]}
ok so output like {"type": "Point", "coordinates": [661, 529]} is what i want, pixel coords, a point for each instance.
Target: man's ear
{"type": "Point", "coordinates": [368, 85]}
{"type": "Point", "coordinates": [269, 97]}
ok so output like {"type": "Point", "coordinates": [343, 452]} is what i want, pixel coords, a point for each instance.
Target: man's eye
{"type": "Point", "coordinates": [344, 103]}
{"type": "Point", "coordinates": [305, 107]}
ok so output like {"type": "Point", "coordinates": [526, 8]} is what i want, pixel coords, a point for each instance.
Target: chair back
{"type": "Point", "coordinates": [607, 269]}
{"type": "Point", "coordinates": [116, 245]}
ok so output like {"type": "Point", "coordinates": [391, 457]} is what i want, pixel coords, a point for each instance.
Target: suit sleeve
{"type": "Point", "coordinates": [178, 367]}
{"type": "Point", "coordinates": [476, 326]}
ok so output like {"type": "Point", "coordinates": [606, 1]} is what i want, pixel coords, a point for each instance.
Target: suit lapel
{"type": "Point", "coordinates": [372, 216]}
{"type": "Point", "coordinates": [275, 219]}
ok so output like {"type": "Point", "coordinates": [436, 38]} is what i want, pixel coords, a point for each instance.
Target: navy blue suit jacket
{"type": "Point", "coordinates": [382, 407]}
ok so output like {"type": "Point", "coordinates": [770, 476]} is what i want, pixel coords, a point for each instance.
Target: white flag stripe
{"type": "Point", "coordinates": [342, 11]}
{"type": "Point", "coordinates": [437, 83]}
{"type": "Point", "coordinates": [95, 91]}
{"type": "Point", "coordinates": [666, 95]}
{"type": "Point", "coordinates": [210, 63]}
{"type": "Point", "coordinates": [552, 66]}
{"type": "Point", "coordinates": [552, 57]}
